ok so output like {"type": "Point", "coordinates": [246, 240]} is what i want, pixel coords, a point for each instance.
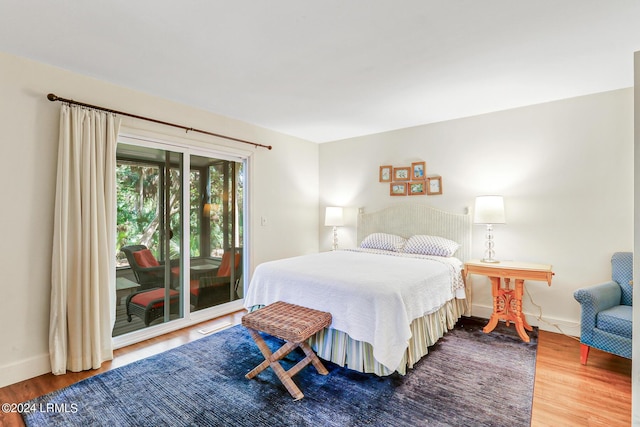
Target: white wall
{"type": "Point", "coordinates": [565, 169]}
{"type": "Point", "coordinates": [283, 190]}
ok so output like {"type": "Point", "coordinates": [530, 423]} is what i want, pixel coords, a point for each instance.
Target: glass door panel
{"type": "Point", "coordinates": [217, 195]}
{"type": "Point", "coordinates": [149, 236]}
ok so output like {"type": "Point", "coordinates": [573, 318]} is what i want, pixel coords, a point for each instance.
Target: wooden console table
{"type": "Point", "coordinates": [507, 300]}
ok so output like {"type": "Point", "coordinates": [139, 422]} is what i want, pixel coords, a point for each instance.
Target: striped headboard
{"type": "Point", "coordinates": [407, 220]}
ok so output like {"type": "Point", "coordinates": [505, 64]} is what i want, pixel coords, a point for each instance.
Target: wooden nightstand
{"type": "Point", "coordinates": [507, 301]}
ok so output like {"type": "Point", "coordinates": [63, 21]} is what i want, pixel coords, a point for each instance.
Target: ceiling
{"type": "Point", "coordinates": [333, 69]}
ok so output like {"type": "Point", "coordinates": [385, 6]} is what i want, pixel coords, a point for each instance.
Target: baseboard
{"type": "Point", "coordinates": [24, 370]}
{"type": "Point", "coordinates": [550, 324]}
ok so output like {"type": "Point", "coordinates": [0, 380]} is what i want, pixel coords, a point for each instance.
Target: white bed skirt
{"type": "Point", "coordinates": [339, 348]}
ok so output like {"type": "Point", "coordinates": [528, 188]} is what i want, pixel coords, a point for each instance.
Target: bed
{"type": "Point", "coordinates": [390, 298]}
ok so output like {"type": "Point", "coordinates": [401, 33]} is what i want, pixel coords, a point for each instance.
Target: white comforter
{"type": "Point", "coordinates": [371, 296]}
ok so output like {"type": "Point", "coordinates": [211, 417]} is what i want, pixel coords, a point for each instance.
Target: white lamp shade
{"type": "Point", "coordinates": [333, 217]}
{"type": "Point", "coordinates": [489, 210]}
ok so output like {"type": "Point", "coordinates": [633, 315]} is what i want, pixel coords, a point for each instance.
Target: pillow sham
{"type": "Point", "coordinates": [383, 241]}
{"type": "Point", "coordinates": [430, 245]}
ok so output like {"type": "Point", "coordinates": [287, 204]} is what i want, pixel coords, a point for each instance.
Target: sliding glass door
{"type": "Point", "coordinates": [149, 262]}
{"type": "Point", "coordinates": [216, 231]}
{"type": "Point", "coordinates": [177, 251]}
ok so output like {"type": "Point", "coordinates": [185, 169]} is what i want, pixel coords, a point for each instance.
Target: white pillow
{"type": "Point", "coordinates": [430, 245]}
{"type": "Point", "coordinates": [383, 241]}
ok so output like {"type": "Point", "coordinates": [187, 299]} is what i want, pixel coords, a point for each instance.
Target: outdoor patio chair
{"type": "Point", "coordinates": [215, 288]}
{"type": "Point", "coordinates": [148, 271]}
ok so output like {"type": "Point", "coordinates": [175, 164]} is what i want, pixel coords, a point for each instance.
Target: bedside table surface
{"type": "Point", "coordinates": [510, 265]}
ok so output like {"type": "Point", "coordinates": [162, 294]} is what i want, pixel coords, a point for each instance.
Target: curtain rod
{"type": "Point", "coordinates": [52, 97]}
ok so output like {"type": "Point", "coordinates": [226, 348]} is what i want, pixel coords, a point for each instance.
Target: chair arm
{"type": "Point", "coordinates": [172, 262]}
{"type": "Point", "coordinates": [594, 299]}
{"type": "Point", "coordinates": [599, 297]}
{"type": "Point", "coordinates": [152, 270]}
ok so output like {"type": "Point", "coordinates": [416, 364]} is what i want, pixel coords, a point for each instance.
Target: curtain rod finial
{"type": "Point", "coordinates": [51, 97]}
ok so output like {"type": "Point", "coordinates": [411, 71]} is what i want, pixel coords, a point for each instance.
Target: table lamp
{"type": "Point", "coordinates": [333, 217]}
{"type": "Point", "coordinates": [489, 210]}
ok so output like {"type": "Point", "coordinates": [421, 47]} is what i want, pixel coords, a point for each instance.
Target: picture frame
{"type": "Point", "coordinates": [416, 188]}
{"type": "Point", "coordinates": [402, 174]}
{"type": "Point", "coordinates": [418, 171]}
{"type": "Point", "coordinates": [434, 185]}
{"type": "Point", "coordinates": [398, 189]}
{"type": "Point", "coordinates": [386, 173]}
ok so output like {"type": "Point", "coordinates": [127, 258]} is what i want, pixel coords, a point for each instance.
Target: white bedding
{"type": "Point", "coordinates": [373, 297]}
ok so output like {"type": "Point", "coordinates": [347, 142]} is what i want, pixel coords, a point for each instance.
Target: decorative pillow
{"type": "Point", "coordinates": [383, 241]}
{"type": "Point", "coordinates": [145, 258]}
{"type": "Point", "coordinates": [430, 245]}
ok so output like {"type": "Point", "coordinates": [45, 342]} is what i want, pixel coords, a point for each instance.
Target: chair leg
{"type": "Point", "coordinates": [584, 353]}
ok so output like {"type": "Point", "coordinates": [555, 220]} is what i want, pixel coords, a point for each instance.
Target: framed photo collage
{"type": "Point", "coordinates": [410, 180]}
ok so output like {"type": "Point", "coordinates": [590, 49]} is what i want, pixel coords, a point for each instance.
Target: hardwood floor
{"type": "Point", "coordinates": [569, 394]}
{"type": "Point", "coordinates": [566, 393]}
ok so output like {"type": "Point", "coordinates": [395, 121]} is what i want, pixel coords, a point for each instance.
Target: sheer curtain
{"type": "Point", "coordinates": [83, 260]}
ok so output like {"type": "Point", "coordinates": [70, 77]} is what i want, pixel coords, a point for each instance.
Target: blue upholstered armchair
{"type": "Point", "coordinates": [606, 321]}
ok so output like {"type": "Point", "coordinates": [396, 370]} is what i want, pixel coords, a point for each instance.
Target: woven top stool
{"type": "Point", "coordinates": [294, 324]}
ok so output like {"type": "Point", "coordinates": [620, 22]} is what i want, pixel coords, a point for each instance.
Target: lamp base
{"type": "Point", "coordinates": [489, 253]}
{"type": "Point", "coordinates": [335, 239]}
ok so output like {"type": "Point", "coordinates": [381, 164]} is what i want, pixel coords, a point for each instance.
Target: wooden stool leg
{"type": "Point", "coordinates": [266, 352]}
{"type": "Point", "coordinates": [314, 358]}
{"type": "Point", "coordinates": [264, 349]}
{"type": "Point", "coordinates": [286, 380]}
{"type": "Point", "coordinates": [299, 366]}
{"type": "Point", "coordinates": [271, 359]}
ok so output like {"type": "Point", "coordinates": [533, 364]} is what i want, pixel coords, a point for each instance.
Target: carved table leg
{"type": "Point", "coordinates": [507, 306]}
{"type": "Point", "coordinates": [495, 292]}
{"type": "Point", "coordinates": [519, 317]}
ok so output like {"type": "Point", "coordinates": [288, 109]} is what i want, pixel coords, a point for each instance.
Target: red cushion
{"type": "Point", "coordinates": [225, 265]}
{"type": "Point", "coordinates": [145, 298]}
{"type": "Point", "coordinates": [195, 287]}
{"type": "Point", "coordinates": [145, 258]}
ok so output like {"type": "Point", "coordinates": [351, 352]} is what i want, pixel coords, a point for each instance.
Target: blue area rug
{"type": "Point", "coordinates": [468, 379]}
